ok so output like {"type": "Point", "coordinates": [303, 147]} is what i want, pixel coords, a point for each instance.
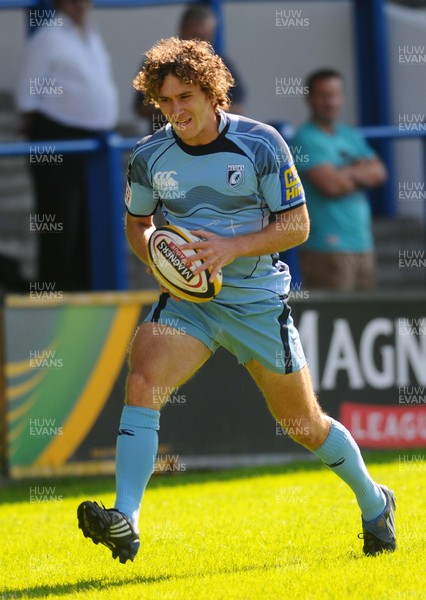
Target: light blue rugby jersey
{"type": "Point", "coordinates": [231, 186]}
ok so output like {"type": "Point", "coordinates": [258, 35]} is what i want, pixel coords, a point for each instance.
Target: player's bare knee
{"type": "Point", "coordinates": [143, 391]}
{"type": "Point", "coordinates": [309, 432]}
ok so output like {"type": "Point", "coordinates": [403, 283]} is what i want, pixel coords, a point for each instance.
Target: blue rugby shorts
{"type": "Point", "coordinates": [262, 331]}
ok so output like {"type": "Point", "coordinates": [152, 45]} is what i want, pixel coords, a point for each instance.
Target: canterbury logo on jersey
{"type": "Point", "coordinates": [291, 186]}
{"type": "Point", "coordinates": [164, 180]}
{"type": "Point", "coordinates": [166, 186]}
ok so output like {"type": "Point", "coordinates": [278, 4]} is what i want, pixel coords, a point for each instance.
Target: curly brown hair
{"type": "Point", "coordinates": [191, 61]}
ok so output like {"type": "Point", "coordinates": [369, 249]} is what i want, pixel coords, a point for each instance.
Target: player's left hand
{"type": "Point", "coordinates": [214, 250]}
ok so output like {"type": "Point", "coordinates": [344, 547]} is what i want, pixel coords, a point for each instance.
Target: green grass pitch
{"type": "Point", "coordinates": [261, 533]}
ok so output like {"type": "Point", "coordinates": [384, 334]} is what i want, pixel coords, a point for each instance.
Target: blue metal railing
{"type": "Point", "coordinates": [378, 132]}
{"type": "Point", "coordinates": [112, 3]}
{"type": "Point", "coordinates": [104, 157]}
{"type": "Point", "coordinates": [106, 188]}
{"type": "Point", "coordinates": [60, 147]}
{"type": "Point", "coordinates": [43, 4]}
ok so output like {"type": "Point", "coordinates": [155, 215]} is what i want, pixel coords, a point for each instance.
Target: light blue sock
{"type": "Point", "coordinates": [137, 446]}
{"type": "Point", "coordinates": [340, 452]}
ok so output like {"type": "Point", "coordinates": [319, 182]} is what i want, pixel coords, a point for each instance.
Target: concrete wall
{"type": "Point", "coordinates": [261, 50]}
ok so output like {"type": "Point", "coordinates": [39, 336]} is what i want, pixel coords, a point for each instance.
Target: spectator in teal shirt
{"type": "Point", "coordinates": [336, 166]}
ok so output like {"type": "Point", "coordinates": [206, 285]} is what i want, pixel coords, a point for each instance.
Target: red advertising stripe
{"type": "Point", "coordinates": [384, 426]}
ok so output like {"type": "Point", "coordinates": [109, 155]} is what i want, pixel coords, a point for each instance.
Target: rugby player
{"type": "Point", "coordinates": [231, 180]}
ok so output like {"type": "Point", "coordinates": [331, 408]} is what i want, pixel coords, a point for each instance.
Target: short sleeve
{"type": "Point", "coordinates": [309, 151]}
{"type": "Point", "coordinates": [35, 67]}
{"type": "Point", "coordinates": [141, 199]}
{"type": "Point", "coordinates": [280, 183]}
{"type": "Point", "coordinates": [313, 148]}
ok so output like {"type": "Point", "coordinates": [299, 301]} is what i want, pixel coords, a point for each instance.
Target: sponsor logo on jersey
{"type": "Point", "coordinates": [291, 186]}
{"type": "Point", "coordinates": [166, 185]}
{"type": "Point", "coordinates": [128, 194]}
{"type": "Point", "coordinates": [236, 176]}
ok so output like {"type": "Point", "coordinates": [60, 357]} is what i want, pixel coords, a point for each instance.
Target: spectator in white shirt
{"type": "Point", "coordinates": [65, 91]}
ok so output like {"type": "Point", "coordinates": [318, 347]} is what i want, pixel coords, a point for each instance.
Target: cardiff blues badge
{"type": "Point", "coordinates": [236, 176]}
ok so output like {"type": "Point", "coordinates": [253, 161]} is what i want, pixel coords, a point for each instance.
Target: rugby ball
{"type": "Point", "coordinates": [166, 261]}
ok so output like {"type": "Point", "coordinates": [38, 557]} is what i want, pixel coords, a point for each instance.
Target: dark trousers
{"type": "Point", "coordinates": [61, 212]}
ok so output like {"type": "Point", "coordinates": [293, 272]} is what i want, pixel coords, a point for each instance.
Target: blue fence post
{"type": "Point", "coordinates": [290, 257]}
{"type": "Point", "coordinates": [38, 14]}
{"type": "Point", "coordinates": [105, 181]}
{"type": "Point", "coordinates": [424, 178]}
{"type": "Point", "coordinates": [373, 88]}
{"type": "Point", "coordinates": [219, 41]}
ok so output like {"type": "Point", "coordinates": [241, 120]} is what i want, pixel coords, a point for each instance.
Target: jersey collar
{"type": "Point", "coordinates": [210, 148]}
